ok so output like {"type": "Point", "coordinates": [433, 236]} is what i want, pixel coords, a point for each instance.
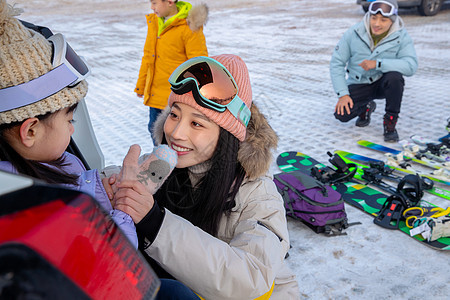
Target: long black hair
{"type": "Point", "coordinates": [50, 173]}
{"type": "Point", "coordinates": [205, 203]}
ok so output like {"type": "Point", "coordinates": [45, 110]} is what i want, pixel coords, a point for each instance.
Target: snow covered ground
{"type": "Point", "coordinates": [287, 46]}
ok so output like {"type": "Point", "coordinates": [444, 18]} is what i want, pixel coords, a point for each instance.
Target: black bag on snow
{"type": "Point", "coordinates": [316, 204]}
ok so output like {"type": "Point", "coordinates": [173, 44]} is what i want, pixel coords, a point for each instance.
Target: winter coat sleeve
{"type": "Point", "coordinates": [195, 43]}
{"type": "Point", "coordinates": [243, 267]}
{"type": "Point", "coordinates": [90, 182]}
{"type": "Point", "coordinates": [140, 85]}
{"type": "Point", "coordinates": [406, 60]}
{"type": "Point", "coordinates": [152, 32]}
{"type": "Point", "coordinates": [142, 77]}
{"type": "Point", "coordinates": [338, 63]}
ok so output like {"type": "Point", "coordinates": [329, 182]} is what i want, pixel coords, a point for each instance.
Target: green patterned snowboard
{"type": "Point", "coordinates": [356, 194]}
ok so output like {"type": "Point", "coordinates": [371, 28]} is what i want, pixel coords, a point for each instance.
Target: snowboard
{"type": "Point", "coordinates": [423, 160]}
{"type": "Point", "coordinates": [361, 196]}
{"type": "Point", "coordinates": [364, 162]}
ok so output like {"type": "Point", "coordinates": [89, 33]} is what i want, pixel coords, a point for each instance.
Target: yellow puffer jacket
{"type": "Point", "coordinates": [181, 38]}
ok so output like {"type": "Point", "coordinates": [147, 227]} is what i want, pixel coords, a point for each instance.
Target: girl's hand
{"type": "Point", "coordinates": [133, 199]}
{"type": "Point", "coordinates": [109, 185]}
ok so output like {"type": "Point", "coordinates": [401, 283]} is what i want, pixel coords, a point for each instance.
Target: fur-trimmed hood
{"type": "Point", "coordinates": [197, 17]}
{"type": "Point", "coordinates": [255, 152]}
{"type": "Point", "coordinates": [192, 16]}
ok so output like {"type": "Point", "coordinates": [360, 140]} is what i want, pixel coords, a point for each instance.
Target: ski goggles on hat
{"type": "Point", "coordinates": [69, 69]}
{"type": "Point", "coordinates": [385, 8]}
{"type": "Point", "coordinates": [64, 54]}
{"type": "Point", "coordinates": [211, 85]}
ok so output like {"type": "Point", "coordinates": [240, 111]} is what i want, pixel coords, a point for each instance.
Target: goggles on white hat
{"type": "Point", "coordinates": [64, 54]}
{"type": "Point", "coordinates": [387, 9]}
{"type": "Point", "coordinates": [69, 69]}
{"type": "Point", "coordinates": [212, 86]}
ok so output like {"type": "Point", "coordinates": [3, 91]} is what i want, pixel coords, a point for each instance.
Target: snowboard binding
{"type": "Point", "coordinates": [343, 171]}
{"type": "Point", "coordinates": [391, 213]}
{"type": "Point", "coordinates": [372, 175]}
{"type": "Point", "coordinates": [410, 188]}
{"type": "Point", "coordinates": [408, 194]}
{"type": "Point", "coordinates": [381, 167]}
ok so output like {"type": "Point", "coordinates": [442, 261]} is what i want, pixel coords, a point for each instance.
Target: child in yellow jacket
{"type": "Point", "coordinates": [175, 34]}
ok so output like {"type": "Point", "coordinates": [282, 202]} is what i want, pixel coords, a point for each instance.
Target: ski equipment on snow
{"type": "Point", "coordinates": [354, 193]}
{"type": "Point", "coordinates": [401, 157]}
{"type": "Point", "coordinates": [366, 162]}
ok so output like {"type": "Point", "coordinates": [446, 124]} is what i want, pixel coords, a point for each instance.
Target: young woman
{"type": "Point", "coordinates": [217, 224]}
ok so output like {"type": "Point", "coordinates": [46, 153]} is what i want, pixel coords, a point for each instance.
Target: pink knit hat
{"type": "Point", "coordinates": [236, 66]}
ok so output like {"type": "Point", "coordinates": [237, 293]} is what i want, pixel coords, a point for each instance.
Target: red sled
{"type": "Point", "coordinates": [59, 244]}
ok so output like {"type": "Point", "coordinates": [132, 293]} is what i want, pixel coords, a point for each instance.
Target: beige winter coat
{"type": "Point", "coordinates": [248, 255]}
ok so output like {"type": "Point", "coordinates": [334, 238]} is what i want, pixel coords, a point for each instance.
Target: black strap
{"type": "Point", "coordinates": [372, 175]}
{"type": "Point", "coordinates": [45, 31]}
{"type": "Point", "coordinates": [344, 171]}
{"type": "Point", "coordinates": [410, 189]}
{"type": "Point", "coordinates": [309, 182]}
{"type": "Point", "coordinates": [285, 195]}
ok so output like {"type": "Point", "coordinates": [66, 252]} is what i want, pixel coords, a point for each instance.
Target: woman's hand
{"type": "Point", "coordinates": [133, 199]}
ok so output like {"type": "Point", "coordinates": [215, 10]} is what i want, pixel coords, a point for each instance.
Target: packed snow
{"type": "Point", "coordinates": [287, 46]}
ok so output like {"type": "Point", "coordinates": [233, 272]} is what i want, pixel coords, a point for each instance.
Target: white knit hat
{"type": "Point", "coordinates": [25, 55]}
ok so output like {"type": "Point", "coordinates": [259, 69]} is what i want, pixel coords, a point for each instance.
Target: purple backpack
{"type": "Point", "coordinates": [316, 204]}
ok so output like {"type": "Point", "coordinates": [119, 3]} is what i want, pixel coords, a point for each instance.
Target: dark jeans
{"type": "Point", "coordinates": [390, 87]}
{"type": "Point", "coordinates": [153, 114]}
{"type": "Point", "coordinates": [174, 290]}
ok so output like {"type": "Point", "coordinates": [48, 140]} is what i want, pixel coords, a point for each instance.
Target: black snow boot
{"type": "Point", "coordinates": [364, 118]}
{"type": "Point", "coordinates": [390, 133]}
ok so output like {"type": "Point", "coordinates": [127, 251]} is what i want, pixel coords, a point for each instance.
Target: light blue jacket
{"type": "Point", "coordinates": [395, 52]}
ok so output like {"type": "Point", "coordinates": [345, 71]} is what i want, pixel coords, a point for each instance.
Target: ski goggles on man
{"type": "Point", "coordinates": [385, 8]}
{"type": "Point", "coordinates": [211, 85]}
{"type": "Point", "coordinates": [69, 69]}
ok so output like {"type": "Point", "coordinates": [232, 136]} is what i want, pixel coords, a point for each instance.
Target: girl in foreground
{"type": "Point", "coordinates": [39, 91]}
{"type": "Point", "coordinates": [218, 223]}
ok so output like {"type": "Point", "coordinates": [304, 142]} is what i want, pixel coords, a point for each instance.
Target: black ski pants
{"type": "Point", "coordinates": [390, 87]}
